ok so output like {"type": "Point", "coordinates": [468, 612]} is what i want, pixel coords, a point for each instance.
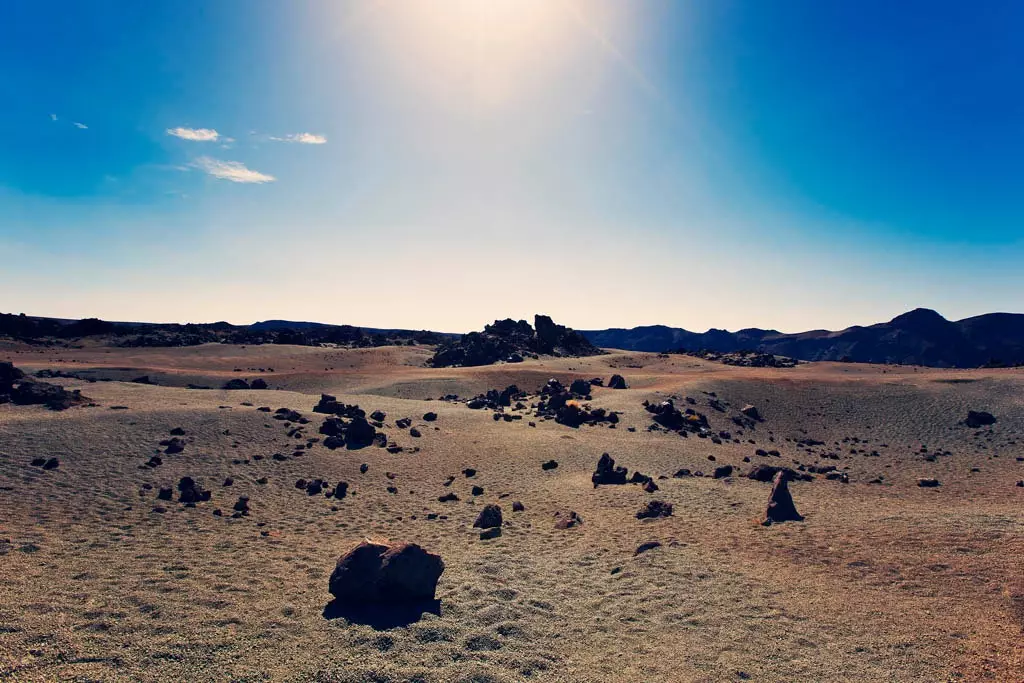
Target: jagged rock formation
{"type": "Point", "coordinates": [509, 340]}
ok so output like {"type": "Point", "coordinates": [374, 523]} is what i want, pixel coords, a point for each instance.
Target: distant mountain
{"type": "Point", "coordinates": [919, 337]}
{"type": "Point", "coordinates": [53, 330]}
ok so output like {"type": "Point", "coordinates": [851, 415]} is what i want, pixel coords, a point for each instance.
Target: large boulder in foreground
{"type": "Point", "coordinates": [383, 573]}
{"type": "Point", "coordinates": [780, 504]}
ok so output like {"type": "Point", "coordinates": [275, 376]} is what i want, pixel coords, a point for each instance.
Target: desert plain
{"type": "Point", "coordinates": [883, 580]}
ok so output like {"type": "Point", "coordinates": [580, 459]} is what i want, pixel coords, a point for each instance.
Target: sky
{"type": "Point", "coordinates": [438, 164]}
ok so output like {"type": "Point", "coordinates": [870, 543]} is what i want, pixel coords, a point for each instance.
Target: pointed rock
{"type": "Point", "coordinates": [780, 504]}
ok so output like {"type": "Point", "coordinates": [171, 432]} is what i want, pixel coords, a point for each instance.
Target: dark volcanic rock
{"type": "Point", "coordinates": [189, 491]}
{"type": "Point", "coordinates": [655, 508]}
{"type": "Point", "coordinates": [236, 384]}
{"type": "Point", "coordinates": [549, 465]}
{"type": "Point", "coordinates": [509, 340]}
{"type": "Point", "coordinates": [617, 382]}
{"type": "Point", "coordinates": [329, 405]}
{"type": "Point", "coordinates": [8, 376]}
{"type": "Point", "coordinates": [580, 387]}
{"type": "Point", "coordinates": [927, 483]}
{"type": "Point", "coordinates": [489, 517]}
{"type": "Point", "coordinates": [429, 417]}
{"type": "Point", "coordinates": [241, 506]}
{"type": "Point", "coordinates": [53, 396]}
{"type": "Point", "coordinates": [644, 547]}
{"type": "Point", "coordinates": [767, 473]}
{"type": "Point", "coordinates": [979, 418]}
{"type": "Point", "coordinates": [780, 504]}
{"type": "Point", "coordinates": [258, 383]}
{"type": "Point", "coordinates": [607, 473]}
{"type": "Point", "coordinates": [375, 573]}
{"type": "Point", "coordinates": [722, 472]}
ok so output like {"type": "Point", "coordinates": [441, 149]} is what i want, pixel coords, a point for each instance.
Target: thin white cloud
{"type": "Point", "coordinates": [80, 125]}
{"type": "Point", "coordinates": [302, 138]}
{"type": "Point", "coordinates": [53, 117]}
{"type": "Point", "coordinates": [235, 171]}
{"type": "Point", "coordinates": [194, 134]}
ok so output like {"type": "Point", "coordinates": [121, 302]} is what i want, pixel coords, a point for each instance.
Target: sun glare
{"type": "Point", "coordinates": [492, 51]}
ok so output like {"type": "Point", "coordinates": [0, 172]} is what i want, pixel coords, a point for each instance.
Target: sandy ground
{"type": "Point", "coordinates": [881, 582]}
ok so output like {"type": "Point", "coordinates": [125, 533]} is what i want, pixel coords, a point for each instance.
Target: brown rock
{"type": "Point", "coordinates": [780, 503]}
{"type": "Point", "coordinates": [385, 573]}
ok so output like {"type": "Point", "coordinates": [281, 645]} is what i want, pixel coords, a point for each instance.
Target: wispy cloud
{"type": "Point", "coordinates": [53, 117]}
{"type": "Point", "coordinates": [80, 125]}
{"type": "Point", "coordinates": [235, 171]}
{"type": "Point", "coordinates": [194, 134]}
{"type": "Point", "coordinates": [302, 138]}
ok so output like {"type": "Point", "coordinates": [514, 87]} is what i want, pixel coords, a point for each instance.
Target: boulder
{"type": "Point", "coordinates": [607, 473]}
{"type": "Point", "coordinates": [429, 417]}
{"type": "Point", "coordinates": [780, 504]}
{"type": "Point", "coordinates": [258, 383]}
{"type": "Point", "coordinates": [767, 473]}
{"type": "Point", "coordinates": [580, 387]}
{"type": "Point", "coordinates": [385, 573]}
{"type": "Point", "coordinates": [549, 465]}
{"type": "Point", "coordinates": [489, 517]}
{"type": "Point", "coordinates": [722, 472]}
{"type": "Point", "coordinates": [927, 483]}
{"type": "Point", "coordinates": [979, 418]}
{"type": "Point", "coordinates": [236, 384]}
{"type": "Point", "coordinates": [189, 491]}
{"type": "Point", "coordinates": [617, 382]}
{"type": "Point", "coordinates": [751, 411]}
{"type": "Point", "coordinates": [241, 506]}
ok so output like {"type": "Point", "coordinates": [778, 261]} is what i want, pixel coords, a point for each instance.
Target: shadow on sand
{"type": "Point", "coordinates": [382, 617]}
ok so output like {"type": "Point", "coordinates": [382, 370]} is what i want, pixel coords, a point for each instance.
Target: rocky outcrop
{"type": "Point", "coordinates": [509, 341]}
{"type": "Point", "coordinates": [607, 473]}
{"type": "Point", "coordinates": [15, 388]}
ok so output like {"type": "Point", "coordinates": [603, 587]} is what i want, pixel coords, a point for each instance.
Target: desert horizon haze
{"type": "Point", "coordinates": [696, 164]}
{"type": "Point", "coordinates": [512, 341]}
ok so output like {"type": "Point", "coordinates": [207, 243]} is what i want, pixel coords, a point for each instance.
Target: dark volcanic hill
{"type": "Point", "coordinates": [919, 337]}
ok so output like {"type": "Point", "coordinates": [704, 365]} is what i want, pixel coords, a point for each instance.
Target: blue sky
{"type": "Point", "coordinates": [440, 163]}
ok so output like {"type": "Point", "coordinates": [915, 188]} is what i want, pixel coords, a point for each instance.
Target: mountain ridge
{"type": "Point", "coordinates": [921, 336]}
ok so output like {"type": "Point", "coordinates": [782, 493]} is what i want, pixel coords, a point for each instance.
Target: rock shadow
{"type": "Point", "coordinates": [382, 617]}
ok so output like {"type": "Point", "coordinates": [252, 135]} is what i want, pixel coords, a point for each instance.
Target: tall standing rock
{"type": "Point", "coordinates": [780, 503]}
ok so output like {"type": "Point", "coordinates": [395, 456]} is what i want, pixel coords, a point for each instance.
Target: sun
{"type": "Point", "coordinates": [490, 52]}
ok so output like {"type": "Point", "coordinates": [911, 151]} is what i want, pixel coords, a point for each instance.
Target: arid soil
{"type": "Point", "coordinates": [890, 581]}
